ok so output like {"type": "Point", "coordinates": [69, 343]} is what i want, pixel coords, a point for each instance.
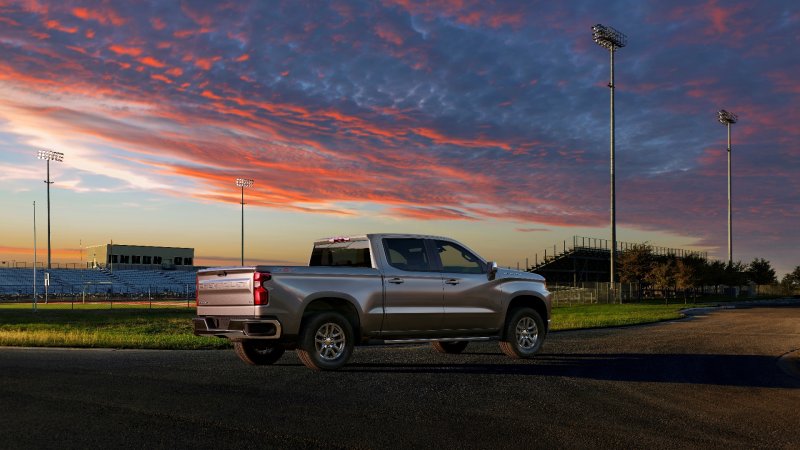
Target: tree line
{"type": "Point", "coordinates": [639, 264]}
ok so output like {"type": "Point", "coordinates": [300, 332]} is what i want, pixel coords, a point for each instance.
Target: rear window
{"type": "Point", "coordinates": [347, 254]}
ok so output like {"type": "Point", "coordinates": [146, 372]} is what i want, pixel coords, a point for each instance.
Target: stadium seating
{"type": "Point", "coordinates": [19, 282]}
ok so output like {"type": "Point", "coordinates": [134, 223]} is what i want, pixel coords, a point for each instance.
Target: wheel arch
{"type": "Point", "coordinates": [336, 304]}
{"type": "Point", "coordinates": [530, 301]}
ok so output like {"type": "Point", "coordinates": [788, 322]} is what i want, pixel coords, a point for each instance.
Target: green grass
{"type": "Point", "coordinates": [96, 325]}
{"type": "Point", "coordinates": [170, 327]}
{"type": "Point", "coordinates": [599, 316]}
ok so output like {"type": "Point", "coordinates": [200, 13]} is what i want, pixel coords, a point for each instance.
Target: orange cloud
{"type": "Point", "coordinates": [388, 34]}
{"type": "Point", "coordinates": [441, 139]}
{"type": "Point", "coordinates": [127, 51]}
{"type": "Point", "coordinates": [160, 77]}
{"type": "Point", "coordinates": [56, 25]}
{"type": "Point", "coordinates": [157, 23]}
{"type": "Point", "coordinates": [206, 63]}
{"type": "Point", "coordinates": [175, 71]}
{"type": "Point", "coordinates": [105, 17]}
{"type": "Point", "coordinates": [152, 62]}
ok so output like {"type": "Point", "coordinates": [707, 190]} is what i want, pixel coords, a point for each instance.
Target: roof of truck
{"type": "Point", "coordinates": [361, 237]}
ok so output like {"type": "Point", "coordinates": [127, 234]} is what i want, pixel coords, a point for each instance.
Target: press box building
{"type": "Point", "coordinates": [121, 256]}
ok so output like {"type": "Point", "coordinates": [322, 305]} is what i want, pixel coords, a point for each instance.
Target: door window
{"type": "Point", "coordinates": [456, 259]}
{"type": "Point", "coordinates": [407, 254]}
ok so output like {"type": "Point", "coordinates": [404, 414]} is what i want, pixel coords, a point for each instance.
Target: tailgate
{"type": "Point", "coordinates": [225, 291]}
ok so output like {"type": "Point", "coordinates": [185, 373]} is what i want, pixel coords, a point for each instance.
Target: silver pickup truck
{"type": "Point", "coordinates": [372, 289]}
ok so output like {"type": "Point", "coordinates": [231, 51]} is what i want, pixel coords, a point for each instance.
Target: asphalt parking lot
{"type": "Point", "coordinates": [720, 379]}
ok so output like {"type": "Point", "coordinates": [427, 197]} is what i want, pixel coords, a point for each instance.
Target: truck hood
{"type": "Point", "coordinates": [510, 274]}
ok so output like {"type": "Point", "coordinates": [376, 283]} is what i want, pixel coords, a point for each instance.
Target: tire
{"type": "Point", "coordinates": [258, 352]}
{"type": "Point", "coordinates": [524, 333]}
{"type": "Point", "coordinates": [452, 347]}
{"type": "Point", "coordinates": [326, 341]}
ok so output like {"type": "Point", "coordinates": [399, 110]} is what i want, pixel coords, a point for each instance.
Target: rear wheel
{"type": "Point", "coordinates": [326, 341]}
{"type": "Point", "coordinates": [524, 333]}
{"type": "Point", "coordinates": [258, 352]}
{"type": "Point", "coordinates": [449, 346]}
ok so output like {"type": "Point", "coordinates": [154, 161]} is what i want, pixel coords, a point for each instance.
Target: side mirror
{"type": "Point", "coordinates": [492, 270]}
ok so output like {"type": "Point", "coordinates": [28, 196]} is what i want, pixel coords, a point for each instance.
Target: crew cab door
{"type": "Point", "coordinates": [413, 289]}
{"type": "Point", "coordinates": [471, 301]}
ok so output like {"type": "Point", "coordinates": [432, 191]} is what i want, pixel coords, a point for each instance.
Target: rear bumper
{"type": "Point", "coordinates": [237, 328]}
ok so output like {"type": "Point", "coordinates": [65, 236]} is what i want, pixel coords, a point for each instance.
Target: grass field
{"type": "Point", "coordinates": [599, 316]}
{"type": "Point", "coordinates": [96, 325]}
{"type": "Point", "coordinates": [167, 326]}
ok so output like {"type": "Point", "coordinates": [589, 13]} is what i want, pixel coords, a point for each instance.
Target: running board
{"type": "Point", "coordinates": [424, 340]}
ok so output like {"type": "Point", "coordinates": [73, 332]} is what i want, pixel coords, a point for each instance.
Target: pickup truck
{"type": "Point", "coordinates": [372, 289]}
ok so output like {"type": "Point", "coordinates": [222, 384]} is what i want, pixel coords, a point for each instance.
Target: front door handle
{"type": "Point", "coordinates": [453, 281]}
{"type": "Point", "coordinates": [396, 280]}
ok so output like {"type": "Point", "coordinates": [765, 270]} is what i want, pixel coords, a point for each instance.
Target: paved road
{"type": "Point", "coordinates": [710, 381]}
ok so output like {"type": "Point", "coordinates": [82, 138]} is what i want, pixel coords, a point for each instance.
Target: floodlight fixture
{"type": "Point", "coordinates": [49, 155]}
{"type": "Point", "coordinates": [243, 183]}
{"type": "Point", "coordinates": [608, 37]}
{"type": "Point", "coordinates": [728, 118]}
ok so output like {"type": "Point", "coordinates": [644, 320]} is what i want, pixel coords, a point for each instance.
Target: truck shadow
{"type": "Point", "coordinates": [723, 370]}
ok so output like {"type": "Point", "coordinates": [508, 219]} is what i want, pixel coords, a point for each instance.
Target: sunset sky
{"type": "Point", "coordinates": [484, 121]}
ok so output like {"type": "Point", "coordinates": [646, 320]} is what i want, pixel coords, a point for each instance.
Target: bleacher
{"type": "Point", "coordinates": [16, 282]}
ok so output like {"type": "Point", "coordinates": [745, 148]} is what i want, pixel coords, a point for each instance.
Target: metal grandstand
{"type": "Point", "coordinates": [16, 283]}
{"type": "Point", "coordinates": [587, 259]}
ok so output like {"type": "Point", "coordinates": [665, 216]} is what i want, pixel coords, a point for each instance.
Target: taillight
{"type": "Point", "coordinates": [260, 293]}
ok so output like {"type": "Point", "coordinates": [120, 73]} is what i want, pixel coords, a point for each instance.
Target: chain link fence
{"type": "Point", "coordinates": [589, 293]}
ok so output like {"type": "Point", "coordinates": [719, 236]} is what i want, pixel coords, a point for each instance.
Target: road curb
{"type": "Point", "coordinates": [790, 363]}
{"type": "Point", "coordinates": [742, 305]}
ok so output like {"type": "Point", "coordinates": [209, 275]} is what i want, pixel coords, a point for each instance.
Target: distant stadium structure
{"type": "Point", "coordinates": [122, 256]}
{"type": "Point", "coordinates": [587, 259]}
{"type": "Point", "coordinates": [108, 271]}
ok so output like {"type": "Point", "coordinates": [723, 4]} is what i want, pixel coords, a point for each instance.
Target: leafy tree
{"type": "Point", "coordinates": [686, 272]}
{"type": "Point", "coordinates": [735, 274]}
{"type": "Point", "coordinates": [760, 271]}
{"type": "Point", "coordinates": [791, 280]}
{"type": "Point", "coordinates": [635, 263]}
{"type": "Point", "coordinates": [713, 273]}
{"type": "Point", "coordinates": [662, 275]}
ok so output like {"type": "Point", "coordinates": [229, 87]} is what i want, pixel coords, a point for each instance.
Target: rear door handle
{"type": "Point", "coordinates": [396, 280]}
{"type": "Point", "coordinates": [453, 281]}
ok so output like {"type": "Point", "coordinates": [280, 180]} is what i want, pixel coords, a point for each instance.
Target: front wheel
{"type": "Point", "coordinates": [326, 341]}
{"type": "Point", "coordinates": [524, 334]}
{"type": "Point", "coordinates": [258, 352]}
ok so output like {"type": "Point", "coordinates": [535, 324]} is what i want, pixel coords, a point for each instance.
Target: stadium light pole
{"type": "Point", "coordinates": [243, 183]}
{"type": "Point", "coordinates": [728, 118]}
{"type": "Point", "coordinates": [49, 155]}
{"type": "Point", "coordinates": [611, 39]}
